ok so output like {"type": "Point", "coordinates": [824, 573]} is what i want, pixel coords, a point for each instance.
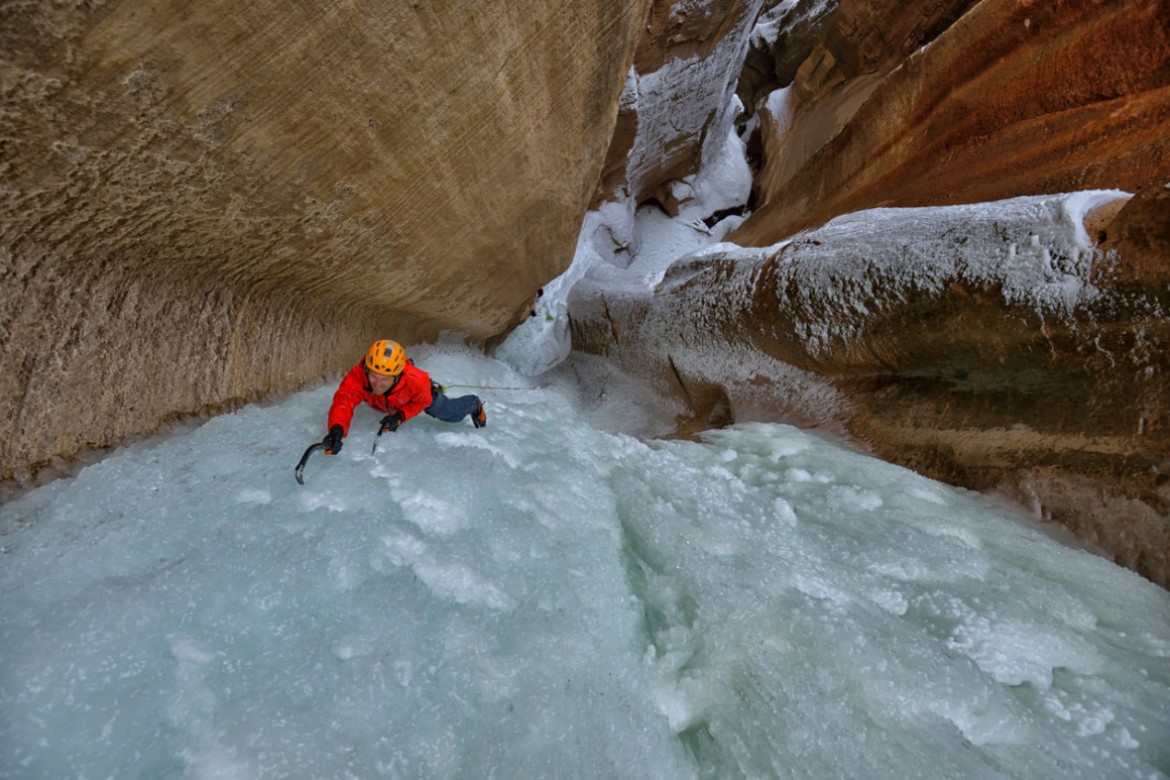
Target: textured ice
{"type": "Point", "coordinates": [544, 598]}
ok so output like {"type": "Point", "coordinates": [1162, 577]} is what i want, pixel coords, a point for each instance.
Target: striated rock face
{"type": "Point", "coordinates": [1137, 237]}
{"type": "Point", "coordinates": [676, 105]}
{"type": "Point", "coordinates": [903, 104]}
{"type": "Point", "coordinates": [204, 203]}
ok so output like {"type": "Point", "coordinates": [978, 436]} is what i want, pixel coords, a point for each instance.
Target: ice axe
{"type": "Point", "coordinates": [389, 423]}
{"type": "Point", "coordinates": [304, 459]}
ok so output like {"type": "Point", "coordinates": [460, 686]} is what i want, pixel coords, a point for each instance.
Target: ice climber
{"type": "Point", "coordinates": [389, 382]}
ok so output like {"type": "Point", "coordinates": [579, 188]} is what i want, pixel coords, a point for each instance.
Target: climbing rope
{"type": "Point", "coordinates": [489, 387]}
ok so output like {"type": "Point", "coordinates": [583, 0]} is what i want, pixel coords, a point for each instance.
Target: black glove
{"type": "Point", "coordinates": [391, 422]}
{"type": "Point", "coordinates": [332, 441]}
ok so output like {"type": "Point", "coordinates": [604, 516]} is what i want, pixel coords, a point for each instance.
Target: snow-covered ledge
{"type": "Point", "coordinates": [982, 344]}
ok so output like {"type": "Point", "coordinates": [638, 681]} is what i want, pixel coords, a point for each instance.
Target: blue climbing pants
{"type": "Point", "coordinates": [451, 409]}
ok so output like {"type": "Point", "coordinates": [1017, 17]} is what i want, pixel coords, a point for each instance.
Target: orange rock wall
{"type": "Point", "coordinates": [941, 103]}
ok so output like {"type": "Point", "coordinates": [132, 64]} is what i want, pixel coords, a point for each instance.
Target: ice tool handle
{"type": "Point", "coordinates": [305, 458]}
{"type": "Point", "coordinates": [389, 423]}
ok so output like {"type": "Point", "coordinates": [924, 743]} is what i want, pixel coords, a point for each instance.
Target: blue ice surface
{"type": "Point", "coordinates": [543, 598]}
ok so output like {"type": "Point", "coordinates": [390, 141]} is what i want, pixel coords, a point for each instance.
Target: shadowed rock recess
{"type": "Point", "coordinates": [208, 203]}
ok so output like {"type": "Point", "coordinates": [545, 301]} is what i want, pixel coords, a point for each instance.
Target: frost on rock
{"type": "Point", "coordinates": [723, 183]}
{"type": "Point", "coordinates": [620, 247]}
{"type": "Point", "coordinates": [543, 340]}
{"type": "Point", "coordinates": [1034, 250]}
{"type": "Point", "coordinates": [673, 108]}
{"type": "Point", "coordinates": [786, 16]}
{"type": "Point", "coordinates": [686, 99]}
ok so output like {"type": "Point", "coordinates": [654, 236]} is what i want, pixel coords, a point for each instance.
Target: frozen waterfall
{"type": "Point", "coordinates": [546, 598]}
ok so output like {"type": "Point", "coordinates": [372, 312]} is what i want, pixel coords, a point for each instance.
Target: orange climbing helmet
{"type": "Point", "coordinates": [386, 357]}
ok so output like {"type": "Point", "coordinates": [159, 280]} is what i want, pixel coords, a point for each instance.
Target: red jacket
{"type": "Point", "coordinates": [410, 395]}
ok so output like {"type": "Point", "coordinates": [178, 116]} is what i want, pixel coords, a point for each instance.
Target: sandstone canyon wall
{"type": "Point", "coordinates": [204, 203]}
{"type": "Point", "coordinates": [904, 104]}
{"type": "Point", "coordinates": [676, 104]}
{"type": "Point", "coordinates": [868, 103]}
